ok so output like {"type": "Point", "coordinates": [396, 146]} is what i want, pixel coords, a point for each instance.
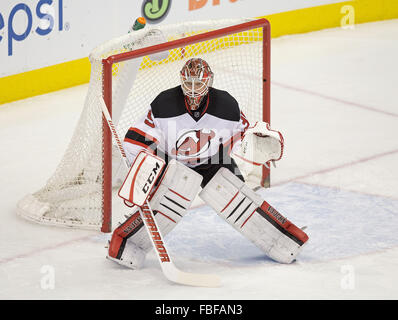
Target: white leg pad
{"type": "Point", "coordinates": [132, 257]}
{"type": "Point", "coordinates": [170, 201]}
{"type": "Point", "coordinates": [248, 213]}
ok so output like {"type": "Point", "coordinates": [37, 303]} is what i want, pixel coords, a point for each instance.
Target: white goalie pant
{"type": "Point", "coordinates": [170, 202]}
{"type": "Point", "coordinates": [248, 213]}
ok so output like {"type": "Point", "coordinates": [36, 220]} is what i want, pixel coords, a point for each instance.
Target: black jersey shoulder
{"type": "Point", "coordinates": [223, 105]}
{"type": "Point", "coordinates": [169, 103]}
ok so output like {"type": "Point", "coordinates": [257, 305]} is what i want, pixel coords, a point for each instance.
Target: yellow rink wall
{"type": "Point", "coordinates": [77, 72]}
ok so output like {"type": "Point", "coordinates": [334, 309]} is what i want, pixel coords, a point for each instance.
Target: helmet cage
{"type": "Point", "coordinates": [196, 78]}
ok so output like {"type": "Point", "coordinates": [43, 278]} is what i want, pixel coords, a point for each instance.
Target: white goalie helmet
{"type": "Point", "coordinates": [196, 78]}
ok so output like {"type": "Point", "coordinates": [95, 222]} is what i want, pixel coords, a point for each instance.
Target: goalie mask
{"type": "Point", "coordinates": [196, 78]}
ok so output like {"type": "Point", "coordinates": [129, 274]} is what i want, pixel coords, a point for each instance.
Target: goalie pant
{"type": "Point", "coordinates": [248, 213]}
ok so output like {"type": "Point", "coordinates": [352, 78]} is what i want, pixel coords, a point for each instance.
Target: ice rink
{"type": "Point", "coordinates": [334, 97]}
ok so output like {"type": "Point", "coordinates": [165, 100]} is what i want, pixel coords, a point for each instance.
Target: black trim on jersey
{"type": "Point", "coordinates": [223, 105]}
{"type": "Point", "coordinates": [134, 135]}
{"type": "Point", "coordinates": [171, 103]}
{"type": "Point", "coordinates": [279, 227]}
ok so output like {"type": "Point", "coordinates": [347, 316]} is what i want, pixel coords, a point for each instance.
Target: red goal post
{"type": "Point", "coordinates": [107, 75]}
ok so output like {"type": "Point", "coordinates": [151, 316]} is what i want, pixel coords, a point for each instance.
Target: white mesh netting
{"type": "Point", "coordinates": [73, 194]}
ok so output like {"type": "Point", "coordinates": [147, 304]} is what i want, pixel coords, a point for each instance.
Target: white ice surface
{"type": "Point", "coordinates": [334, 97]}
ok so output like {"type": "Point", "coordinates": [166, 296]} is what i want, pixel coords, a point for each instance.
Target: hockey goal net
{"type": "Point", "coordinates": [128, 73]}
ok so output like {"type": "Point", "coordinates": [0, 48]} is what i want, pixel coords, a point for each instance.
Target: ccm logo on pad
{"type": "Point", "coordinates": [150, 179]}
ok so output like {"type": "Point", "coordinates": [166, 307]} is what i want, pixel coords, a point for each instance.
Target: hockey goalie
{"type": "Point", "coordinates": [198, 131]}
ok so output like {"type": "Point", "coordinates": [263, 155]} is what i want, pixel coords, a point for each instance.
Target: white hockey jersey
{"type": "Point", "coordinates": [191, 137]}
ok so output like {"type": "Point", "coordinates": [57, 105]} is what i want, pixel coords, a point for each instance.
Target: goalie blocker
{"type": "Point", "coordinates": [248, 213]}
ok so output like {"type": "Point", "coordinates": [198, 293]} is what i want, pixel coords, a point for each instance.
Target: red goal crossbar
{"type": "Point", "coordinates": [107, 95]}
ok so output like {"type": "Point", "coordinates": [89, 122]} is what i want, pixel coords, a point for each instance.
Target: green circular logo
{"type": "Point", "coordinates": [155, 10]}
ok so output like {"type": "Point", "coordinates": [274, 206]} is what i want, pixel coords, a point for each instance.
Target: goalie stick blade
{"type": "Point", "coordinates": [169, 269]}
{"type": "Point", "coordinates": [190, 279]}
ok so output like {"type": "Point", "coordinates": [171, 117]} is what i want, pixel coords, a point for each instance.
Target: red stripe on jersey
{"type": "Point", "coordinates": [148, 121]}
{"type": "Point", "coordinates": [139, 144]}
{"type": "Point", "coordinates": [245, 122]}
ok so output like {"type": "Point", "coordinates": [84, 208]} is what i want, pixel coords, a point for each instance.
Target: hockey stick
{"type": "Point", "coordinates": [169, 269]}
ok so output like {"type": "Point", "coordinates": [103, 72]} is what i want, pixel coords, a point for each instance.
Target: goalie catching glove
{"type": "Point", "coordinates": [260, 144]}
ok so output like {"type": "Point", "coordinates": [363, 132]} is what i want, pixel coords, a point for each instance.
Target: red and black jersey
{"type": "Point", "coordinates": [188, 136]}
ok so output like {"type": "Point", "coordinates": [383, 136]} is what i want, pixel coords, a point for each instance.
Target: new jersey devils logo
{"type": "Point", "coordinates": [192, 143]}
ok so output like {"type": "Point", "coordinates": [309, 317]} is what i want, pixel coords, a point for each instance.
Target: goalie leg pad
{"type": "Point", "coordinates": [169, 202]}
{"type": "Point", "coordinates": [174, 195]}
{"type": "Point", "coordinates": [248, 213]}
{"type": "Point", "coordinates": [121, 249]}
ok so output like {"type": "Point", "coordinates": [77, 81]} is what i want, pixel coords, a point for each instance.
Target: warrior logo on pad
{"type": "Point", "coordinates": [193, 143]}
